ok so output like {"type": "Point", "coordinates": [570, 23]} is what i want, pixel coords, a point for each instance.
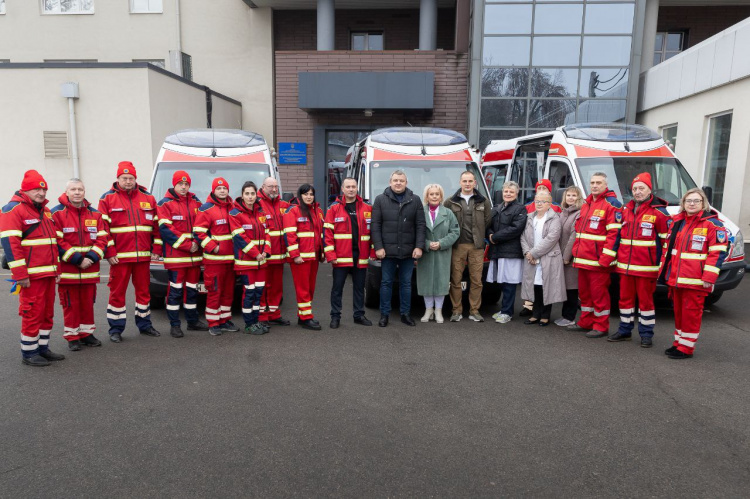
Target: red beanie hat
{"type": "Point", "coordinates": [181, 176]}
{"type": "Point", "coordinates": [546, 183]}
{"type": "Point", "coordinates": [126, 168]}
{"type": "Point", "coordinates": [642, 177]}
{"type": "Point", "coordinates": [32, 179]}
{"type": "Point", "coordinates": [217, 182]}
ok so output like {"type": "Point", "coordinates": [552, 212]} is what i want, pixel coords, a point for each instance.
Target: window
{"type": "Point", "coordinates": [2, 6]}
{"type": "Point", "coordinates": [561, 178]}
{"type": "Point", "coordinates": [67, 6]}
{"type": "Point", "coordinates": [155, 62]}
{"type": "Point", "coordinates": [146, 7]}
{"type": "Point", "coordinates": [668, 44]}
{"type": "Point", "coordinates": [367, 40]}
{"type": "Point", "coordinates": [669, 134]}
{"type": "Point", "coordinates": [719, 128]}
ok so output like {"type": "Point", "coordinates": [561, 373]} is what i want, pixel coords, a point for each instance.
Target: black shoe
{"type": "Point", "coordinates": [383, 322]}
{"type": "Point", "coordinates": [362, 321]}
{"type": "Point", "coordinates": [618, 336]}
{"type": "Point", "coordinates": [91, 341]}
{"type": "Point", "coordinates": [543, 323]}
{"type": "Point", "coordinates": [679, 355]}
{"type": "Point", "coordinates": [115, 338]}
{"type": "Point", "coordinates": [335, 322]}
{"type": "Point", "coordinates": [74, 345]}
{"type": "Point", "coordinates": [52, 356]}
{"type": "Point", "coordinates": [576, 327]}
{"type": "Point", "coordinates": [176, 332]}
{"type": "Point", "coordinates": [35, 361]}
{"type": "Point", "coordinates": [215, 331]}
{"type": "Point", "coordinates": [525, 312]}
{"type": "Point", "coordinates": [407, 320]}
{"type": "Point", "coordinates": [310, 324]}
{"type": "Point", "coordinates": [150, 332]}
{"type": "Point", "coordinates": [646, 343]}
{"type": "Point", "coordinates": [279, 322]}
{"type": "Point", "coordinates": [529, 322]}
{"type": "Point", "coordinates": [197, 326]}
{"type": "Point", "coordinates": [229, 326]}
{"type": "Point", "coordinates": [670, 350]}
{"type": "Point", "coordinates": [596, 334]}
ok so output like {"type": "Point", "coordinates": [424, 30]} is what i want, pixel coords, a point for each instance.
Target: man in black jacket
{"type": "Point", "coordinates": [398, 233]}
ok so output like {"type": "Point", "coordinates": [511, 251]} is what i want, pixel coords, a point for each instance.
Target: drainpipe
{"type": "Point", "coordinates": [69, 90]}
{"type": "Point", "coordinates": [179, 23]}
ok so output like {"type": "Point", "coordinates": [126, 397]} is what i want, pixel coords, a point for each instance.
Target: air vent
{"type": "Point", "coordinates": [56, 145]}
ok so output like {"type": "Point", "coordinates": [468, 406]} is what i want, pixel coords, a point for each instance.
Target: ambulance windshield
{"type": "Point", "coordinates": [669, 177]}
{"type": "Point", "coordinates": [202, 174]}
{"type": "Point", "coordinates": [420, 173]}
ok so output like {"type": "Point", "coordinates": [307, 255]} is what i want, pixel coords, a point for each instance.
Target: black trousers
{"type": "Point", "coordinates": [358, 285]}
{"type": "Point", "coordinates": [540, 310]}
{"type": "Point", "coordinates": [570, 306]}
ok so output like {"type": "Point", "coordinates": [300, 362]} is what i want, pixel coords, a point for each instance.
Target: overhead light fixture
{"type": "Point", "coordinates": [368, 113]}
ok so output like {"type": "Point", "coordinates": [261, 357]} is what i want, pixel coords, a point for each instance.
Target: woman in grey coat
{"type": "Point", "coordinates": [543, 277]}
{"type": "Point", "coordinates": [433, 271]}
{"type": "Point", "coordinates": [571, 210]}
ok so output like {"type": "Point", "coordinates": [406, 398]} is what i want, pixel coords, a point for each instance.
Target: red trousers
{"type": "Point", "coordinates": [593, 290]}
{"type": "Point", "coordinates": [77, 302]}
{"type": "Point", "coordinates": [219, 280]}
{"type": "Point", "coordinates": [304, 275]}
{"type": "Point", "coordinates": [119, 277]}
{"type": "Point", "coordinates": [36, 306]}
{"type": "Point", "coordinates": [642, 289]}
{"type": "Point", "coordinates": [688, 315]}
{"type": "Point", "coordinates": [273, 292]}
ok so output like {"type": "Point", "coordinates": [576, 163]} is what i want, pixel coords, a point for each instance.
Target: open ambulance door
{"type": "Point", "coordinates": [562, 175]}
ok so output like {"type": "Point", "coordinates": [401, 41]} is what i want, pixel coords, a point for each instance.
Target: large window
{"type": "Point", "coordinates": [367, 40]}
{"type": "Point", "coordinates": [719, 129]}
{"type": "Point", "coordinates": [669, 134]}
{"type": "Point", "coordinates": [146, 6]}
{"type": "Point", "coordinates": [67, 6]}
{"type": "Point", "coordinates": [668, 44]}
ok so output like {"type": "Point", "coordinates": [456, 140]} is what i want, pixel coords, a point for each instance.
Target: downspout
{"type": "Point", "coordinates": [179, 24]}
{"type": "Point", "coordinates": [73, 137]}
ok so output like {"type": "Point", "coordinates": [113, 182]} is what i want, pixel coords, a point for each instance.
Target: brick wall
{"type": "Point", "coordinates": [296, 29]}
{"type": "Point", "coordinates": [701, 22]}
{"type": "Point", "coordinates": [295, 125]}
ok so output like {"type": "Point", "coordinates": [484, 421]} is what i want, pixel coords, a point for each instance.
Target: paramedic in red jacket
{"type": "Point", "coordinates": [251, 249]}
{"type": "Point", "coordinates": [643, 232]}
{"type": "Point", "coordinates": [81, 240]}
{"type": "Point", "coordinates": [129, 214]}
{"type": "Point", "coordinates": [349, 249]}
{"type": "Point", "coordinates": [29, 239]}
{"type": "Point", "coordinates": [273, 208]}
{"type": "Point", "coordinates": [594, 255]}
{"type": "Point", "coordinates": [696, 246]}
{"type": "Point", "coordinates": [182, 254]}
{"type": "Point", "coordinates": [303, 232]}
{"type": "Point", "coordinates": [544, 185]}
{"type": "Point", "coordinates": [212, 230]}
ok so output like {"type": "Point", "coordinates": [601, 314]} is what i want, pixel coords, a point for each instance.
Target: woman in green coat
{"type": "Point", "coordinates": [434, 269]}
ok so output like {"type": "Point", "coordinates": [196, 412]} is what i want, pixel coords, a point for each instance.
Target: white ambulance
{"type": "Point", "coordinates": [569, 156]}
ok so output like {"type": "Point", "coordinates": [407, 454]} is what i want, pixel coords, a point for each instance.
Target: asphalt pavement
{"type": "Point", "coordinates": [453, 410]}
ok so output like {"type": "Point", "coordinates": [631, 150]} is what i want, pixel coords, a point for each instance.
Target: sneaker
{"type": "Point", "coordinates": [503, 319]}
{"type": "Point", "coordinates": [229, 326]}
{"type": "Point", "coordinates": [476, 317]}
{"type": "Point", "coordinates": [197, 326]}
{"type": "Point", "coordinates": [497, 315]}
{"type": "Point", "coordinates": [563, 322]}
{"type": "Point", "coordinates": [215, 331]}
{"type": "Point", "coordinates": [255, 329]}
{"type": "Point", "coordinates": [596, 334]}
{"type": "Point", "coordinates": [264, 325]}
{"type": "Point", "coordinates": [456, 317]}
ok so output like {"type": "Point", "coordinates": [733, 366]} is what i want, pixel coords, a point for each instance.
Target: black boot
{"type": "Point", "coordinates": [383, 322]}
{"type": "Point", "coordinates": [407, 320]}
{"type": "Point", "coordinates": [197, 326]}
{"type": "Point", "coordinates": [91, 341]}
{"type": "Point", "coordinates": [176, 332]}
{"type": "Point", "coordinates": [51, 356]}
{"type": "Point", "coordinates": [310, 324]}
{"type": "Point", "coordinates": [150, 332]}
{"type": "Point", "coordinates": [35, 361]}
{"type": "Point", "coordinates": [74, 345]}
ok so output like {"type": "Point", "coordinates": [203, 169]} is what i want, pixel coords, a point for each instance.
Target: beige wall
{"type": "Point", "coordinates": [692, 118]}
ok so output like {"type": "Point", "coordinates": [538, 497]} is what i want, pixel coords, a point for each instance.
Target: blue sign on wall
{"type": "Point", "coordinates": [292, 153]}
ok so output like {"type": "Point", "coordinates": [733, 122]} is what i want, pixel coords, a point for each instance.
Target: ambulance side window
{"type": "Point", "coordinates": [561, 178]}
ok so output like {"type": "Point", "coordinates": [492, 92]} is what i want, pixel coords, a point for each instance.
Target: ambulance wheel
{"type": "Point", "coordinates": [158, 302]}
{"type": "Point", "coordinates": [713, 297]}
{"type": "Point", "coordinates": [372, 292]}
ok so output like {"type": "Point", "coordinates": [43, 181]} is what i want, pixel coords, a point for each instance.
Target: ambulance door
{"type": "Point", "coordinates": [560, 173]}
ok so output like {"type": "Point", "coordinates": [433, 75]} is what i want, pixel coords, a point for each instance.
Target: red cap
{"type": "Point", "coordinates": [546, 183]}
{"type": "Point", "coordinates": [217, 182]}
{"type": "Point", "coordinates": [126, 168]}
{"type": "Point", "coordinates": [181, 176]}
{"type": "Point", "coordinates": [642, 177]}
{"type": "Point", "coordinates": [32, 179]}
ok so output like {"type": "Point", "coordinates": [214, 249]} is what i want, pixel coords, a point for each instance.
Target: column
{"type": "Point", "coordinates": [428, 24]}
{"type": "Point", "coordinates": [326, 21]}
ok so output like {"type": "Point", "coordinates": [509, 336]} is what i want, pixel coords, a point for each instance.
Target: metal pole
{"type": "Point", "coordinates": [635, 62]}
{"type": "Point", "coordinates": [428, 24]}
{"type": "Point", "coordinates": [73, 137]}
{"type": "Point", "coordinates": [326, 22]}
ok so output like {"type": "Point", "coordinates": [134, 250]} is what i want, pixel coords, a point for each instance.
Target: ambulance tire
{"type": "Point", "coordinates": [713, 298]}
{"type": "Point", "coordinates": [372, 292]}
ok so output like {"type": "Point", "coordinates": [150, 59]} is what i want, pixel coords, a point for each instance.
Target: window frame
{"type": "Point", "coordinates": [367, 34]}
{"type": "Point", "coordinates": [662, 51]}
{"type": "Point", "coordinates": [706, 152]}
{"type": "Point", "coordinates": [663, 129]}
{"type": "Point", "coordinates": [76, 13]}
{"type": "Point", "coordinates": [134, 11]}
{"type": "Point", "coordinates": [2, 8]}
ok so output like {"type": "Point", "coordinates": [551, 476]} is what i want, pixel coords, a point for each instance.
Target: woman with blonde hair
{"type": "Point", "coordinates": [433, 271]}
{"type": "Point", "coordinates": [571, 209]}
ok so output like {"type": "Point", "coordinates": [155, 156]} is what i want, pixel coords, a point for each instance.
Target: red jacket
{"type": "Point", "coordinates": [695, 248]}
{"type": "Point", "coordinates": [274, 210]}
{"type": "Point", "coordinates": [641, 238]}
{"type": "Point", "coordinates": [130, 218]}
{"type": "Point", "coordinates": [596, 233]}
{"type": "Point", "coordinates": [29, 238]}
{"type": "Point", "coordinates": [177, 215]}
{"type": "Point", "coordinates": [304, 234]}
{"type": "Point", "coordinates": [80, 234]}
{"type": "Point", "coordinates": [211, 229]}
{"type": "Point", "coordinates": [338, 234]}
{"type": "Point", "coordinates": [249, 234]}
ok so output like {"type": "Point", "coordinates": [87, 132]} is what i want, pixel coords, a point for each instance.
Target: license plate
{"type": "Point", "coordinates": [202, 288]}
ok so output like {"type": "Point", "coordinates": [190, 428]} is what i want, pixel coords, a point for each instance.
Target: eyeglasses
{"type": "Point", "coordinates": [693, 201]}
{"type": "Point", "coordinates": [541, 202]}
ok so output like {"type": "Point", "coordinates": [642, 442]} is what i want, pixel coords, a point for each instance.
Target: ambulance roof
{"type": "Point", "coordinates": [215, 137]}
{"type": "Point", "coordinates": [417, 136]}
{"type": "Point", "coordinates": [610, 132]}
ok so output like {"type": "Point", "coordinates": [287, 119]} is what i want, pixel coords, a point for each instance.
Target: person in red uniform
{"type": "Point", "coordinates": [303, 232]}
{"type": "Point", "coordinates": [29, 239]}
{"type": "Point", "coordinates": [349, 249]}
{"type": "Point", "coordinates": [643, 232]}
{"type": "Point", "coordinates": [696, 246]}
{"type": "Point", "coordinates": [251, 248]}
{"type": "Point", "coordinates": [594, 255]}
{"type": "Point", "coordinates": [273, 208]}
{"type": "Point", "coordinates": [129, 214]}
{"type": "Point", "coordinates": [81, 240]}
{"type": "Point", "coordinates": [182, 255]}
{"type": "Point", "coordinates": [212, 230]}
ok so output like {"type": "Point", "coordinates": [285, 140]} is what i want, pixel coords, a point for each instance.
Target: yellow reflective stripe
{"type": "Point", "coordinates": [16, 233]}
{"type": "Point", "coordinates": [592, 237]}
{"type": "Point", "coordinates": [711, 268]}
{"type": "Point", "coordinates": [158, 242]}
{"type": "Point", "coordinates": [307, 234]}
{"type": "Point", "coordinates": [226, 237]}
{"type": "Point", "coordinates": [636, 242]}
{"type": "Point", "coordinates": [132, 228]}
{"type": "Point", "coordinates": [641, 268]}
{"type": "Point", "coordinates": [248, 263]}
{"type": "Point", "coordinates": [342, 236]}
{"type": "Point", "coordinates": [685, 280]}
{"type": "Point", "coordinates": [328, 248]}
{"type": "Point", "coordinates": [345, 260]}
{"type": "Point", "coordinates": [209, 256]}
{"type": "Point", "coordinates": [248, 247]}
{"type": "Point", "coordinates": [86, 275]}
{"type": "Point", "coordinates": [722, 247]}
{"type": "Point", "coordinates": [307, 255]}
{"type": "Point", "coordinates": [663, 236]}
{"type": "Point", "coordinates": [609, 252]}
{"type": "Point", "coordinates": [101, 233]}
{"type": "Point", "coordinates": [328, 226]}
{"type": "Point", "coordinates": [133, 254]}
{"type": "Point", "coordinates": [17, 263]}
{"type": "Point", "coordinates": [163, 221]}
{"type": "Point", "coordinates": [39, 270]}
{"type": "Point", "coordinates": [106, 217]}
{"type": "Point", "coordinates": [66, 256]}
{"type": "Point", "coordinates": [110, 243]}
{"type": "Point", "coordinates": [583, 261]}
{"type": "Point", "coordinates": [364, 261]}
{"type": "Point", "coordinates": [273, 233]}
{"type": "Point", "coordinates": [694, 256]}
{"type": "Point", "coordinates": [181, 239]}
{"type": "Point", "coordinates": [293, 247]}
{"type": "Point", "coordinates": [364, 238]}
{"type": "Point", "coordinates": [98, 251]}
{"type": "Point", "coordinates": [39, 242]}
{"type": "Point", "coordinates": [205, 242]}
{"type": "Point", "coordinates": [614, 226]}
{"type": "Point", "coordinates": [304, 304]}
{"type": "Point", "coordinates": [260, 242]}
{"type": "Point", "coordinates": [200, 229]}
{"type": "Point", "coordinates": [60, 235]}
{"type": "Point", "coordinates": [238, 230]}
{"type": "Point", "coordinates": [304, 312]}
{"type": "Point", "coordinates": [276, 257]}
{"type": "Point", "coordinates": [185, 259]}
{"type": "Point", "coordinates": [289, 229]}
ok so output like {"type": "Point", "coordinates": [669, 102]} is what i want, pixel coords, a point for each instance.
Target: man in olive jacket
{"type": "Point", "coordinates": [474, 214]}
{"type": "Point", "coordinates": [398, 233]}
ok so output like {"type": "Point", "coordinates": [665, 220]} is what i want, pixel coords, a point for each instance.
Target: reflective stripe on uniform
{"type": "Point", "coordinates": [293, 247]}
{"type": "Point", "coordinates": [711, 268]}
{"type": "Point", "coordinates": [289, 229]}
{"type": "Point", "coordinates": [717, 248]}
{"type": "Point", "coordinates": [364, 261]}
{"type": "Point", "coordinates": [39, 270]}
{"type": "Point", "coordinates": [200, 229]}
{"type": "Point", "coordinates": [222, 237]}
{"type": "Point", "coordinates": [86, 275]}
{"type": "Point", "coordinates": [17, 263]}
{"type": "Point", "coordinates": [614, 226]}
{"type": "Point", "coordinates": [163, 221]}
{"type": "Point", "coordinates": [248, 263]}
{"type": "Point", "coordinates": [39, 242]}
{"type": "Point", "coordinates": [609, 252]}
{"type": "Point", "coordinates": [132, 228]}
{"type": "Point", "coordinates": [583, 261]}
{"type": "Point", "coordinates": [364, 238]}
{"type": "Point", "coordinates": [344, 260]}
{"type": "Point", "coordinates": [277, 257]}
{"type": "Point", "coordinates": [640, 268]}
{"type": "Point", "coordinates": [14, 233]}
{"type": "Point", "coordinates": [342, 236]}
{"type": "Point", "coordinates": [328, 248]}
{"type": "Point", "coordinates": [98, 251]}
{"type": "Point", "coordinates": [182, 239]}
{"type": "Point", "coordinates": [636, 242]}
{"type": "Point", "coordinates": [592, 237]}
{"type": "Point", "coordinates": [310, 234]}
{"type": "Point", "coordinates": [328, 226]}
{"type": "Point", "coordinates": [685, 280]}
{"type": "Point", "coordinates": [274, 233]}
{"type": "Point", "coordinates": [307, 255]}
{"type": "Point", "coordinates": [209, 256]}
{"type": "Point", "coordinates": [187, 259]}
{"type": "Point", "coordinates": [133, 254]}
{"type": "Point", "coordinates": [694, 256]}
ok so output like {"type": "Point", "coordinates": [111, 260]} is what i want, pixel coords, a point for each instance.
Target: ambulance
{"type": "Point", "coordinates": [569, 156]}
{"type": "Point", "coordinates": [427, 156]}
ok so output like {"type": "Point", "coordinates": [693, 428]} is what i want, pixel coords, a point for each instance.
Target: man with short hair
{"type": "Point", "coordinates": [129, 214]}
{"type": "Point", "coordinates": [82, 240]}
{"type": "Point", "coordinates": [594, 255]}
{"type": "Point", "coordinates": [474, 214]}
{"type": "Point", "coordinates": [398, 235]}
{"type": "Point", "coordinates": [348, 248]}
{"type": "Point", "coordinates": [274, 208]}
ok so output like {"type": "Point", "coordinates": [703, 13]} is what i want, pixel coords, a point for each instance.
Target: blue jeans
{"type": "Point", "coordinates": [509, 298]}
{"type": "Point", "coordinates": [388, 271]}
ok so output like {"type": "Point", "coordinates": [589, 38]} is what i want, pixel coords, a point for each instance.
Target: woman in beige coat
{"type": "Point", "coordinates": [543, 277]}
{"type": "Point", "coordinates": [571, 210]}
